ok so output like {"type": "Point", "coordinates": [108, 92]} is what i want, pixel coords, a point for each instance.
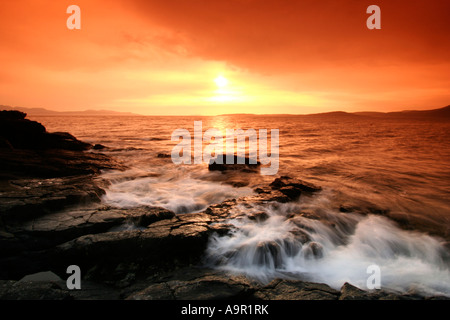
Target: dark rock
{"type": "Point", "coordinates": [268, 254]}
{"type": "Point", "coordinates": [296, 290]}
{"type": "Point", "coordinates": [314, 249]}
{"type": "Point", "coordinates": [30, 198]}
{"type": "Point", "coordinates": [98, 146]}
{"type": "Point", "coordinates": [12, 290]}
{"type": "Point", "coordinates": [300, 185]}
{"type": "Point", "coordinates": [26, 134]}
{"type": "Point", "coordinates": [204, 284]}
{"type": "Point", "coordinates": [44, 233]}
{"type": "Point", "coordinates": [164, 155]}
{"type": "Point", "coordinates": [53, 163]}
{"type": "Point", "coordinates": [65, 141]}
{"type": "Point", "coordinates": [28, 150]}
{"type": "Point", "coordinates": [12, 115]}
{"type": "Point", "coordinates": [292, 192]}
{"type": "Point", "coordinates": [238, 163]}
{"type": "Point", "coordinates": [259, 216]}
{"type": "Point", "coordinates": [166, 242]}
{"type": "Point", "coordinates": [261, 190]}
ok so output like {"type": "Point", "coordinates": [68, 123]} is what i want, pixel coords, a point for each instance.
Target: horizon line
{"type": "Point", "coordinates": [122, 113]}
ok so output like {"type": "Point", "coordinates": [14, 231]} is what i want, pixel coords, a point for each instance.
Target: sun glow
{"type": "Point", "coordinates": [221, 81]}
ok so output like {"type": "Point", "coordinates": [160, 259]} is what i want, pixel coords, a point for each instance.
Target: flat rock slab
{"type": "Point", "coordinates": [29, 198]}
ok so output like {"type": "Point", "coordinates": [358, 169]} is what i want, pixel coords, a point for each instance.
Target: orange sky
{"type": "Point", "coordinates": [161, 57]}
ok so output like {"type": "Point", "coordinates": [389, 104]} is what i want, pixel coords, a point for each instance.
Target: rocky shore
{"type": "Point", "coordinates": [51, 216]}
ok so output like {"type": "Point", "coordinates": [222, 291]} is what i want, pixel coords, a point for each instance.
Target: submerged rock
{"type": "Point", "coordinates": [294, 184]}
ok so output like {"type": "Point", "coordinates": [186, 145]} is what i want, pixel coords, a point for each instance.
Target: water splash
{"type": "Point", "coordinates": [173, 190]}
{"type": "Point", "coordinates": [331, 247]}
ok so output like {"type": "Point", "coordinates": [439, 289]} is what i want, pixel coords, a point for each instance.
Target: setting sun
{"type": "Point", "coordinates": [221, 81]}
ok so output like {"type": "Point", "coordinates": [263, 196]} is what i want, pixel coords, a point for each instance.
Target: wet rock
{"type": "Point", "coordinates": [297, 184]}
{"type": "Point", "coordinates": [221, 210]}
{"type": "Point", "coordinates": [59, 227]}
{"type": "Point", "coordinates": [258, 216]}
{"type": "Point", "coordinates": [28, 150]}
{"type": "Point", "coordinates": [350, 292]}
{"type": "Point", "coordinates": [314, 249]}
{"type": "Point", "coordinates": [164, 155]}
{"type": "Point", "coordinates": [29, 198]}
{"type": "Point", "coordinates": [166, 242]}
{"type": "Point", "coordinates": [22, 133]}
{"type": "Point", "coordinates": [46, 276]}
{"type": "Point", "coordinates": [291, 192]}
{"type": "Point", "coordinates": [268, 254]}
{"type": "Point", "coordinates": [35, 290]}
{"type": "Point", "coordinates": [238, 163]}
{"type": "Point", "coordinates": [207, 285]}
{"type": "Point", "coordinates": [98, 146]}
{"type": "Point", "coordinates": [296, 290]}
{"type": "Point", "coordinates": [52, 163]}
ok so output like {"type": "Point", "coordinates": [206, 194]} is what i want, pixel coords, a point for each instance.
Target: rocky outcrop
{"type": "Point", "coordinates": [28, 150]}
{"type": "Point", "coordinates": [22, 133]}
{"type": "Point", "coordinates": [244, 164]}
{"type": "Point", "coordinates": [192, 283]}
{"type": "Point", "coordinates": [30, 198]}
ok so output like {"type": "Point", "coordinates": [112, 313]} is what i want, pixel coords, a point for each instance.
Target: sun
{"type": "Point", "coordinates": [221, 81]}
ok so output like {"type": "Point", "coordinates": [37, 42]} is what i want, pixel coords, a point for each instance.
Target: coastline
{"type": "Point", "coordinates": [52, 215]}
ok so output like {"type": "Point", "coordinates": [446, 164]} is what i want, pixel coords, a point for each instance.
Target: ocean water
{"type": "Point", "coordinates": [391, 176]}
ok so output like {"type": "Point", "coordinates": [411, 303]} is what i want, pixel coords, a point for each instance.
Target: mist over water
{"type": "Point", "coordinates": [385, 173]}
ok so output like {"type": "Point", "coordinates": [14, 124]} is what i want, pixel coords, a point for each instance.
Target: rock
{"type": "Point", "coordinates": [314, 249]}
{"type": "Point", "coordinates": [258, 216]}
{"type": "Point", "coordinates": [350, 292]}
{"type": "Point", "coordinates": [300, 185]}
{"type": "Point", "coordinates": [11, 290]}
{"type": "Point", "coordinates": [203, 284]}
{"type": "Point", "coordinates": [30, 198]}
{"type": "Point", "coordinates": [26, 134]}
{"type": "Point", "coordinates": [166, 242]}
{"type": "Point", "coordinates": [52, 163]}
{"type": "Point", "coordinates": [268, 254]}
{"type": "Point", "coordinates": [291, 192]}
{"type": "Point", "coordinates": [44, 233]}
{"type": "Point", "coordinates": [12, 115]}
{"type": "Point", "coordinates": [98, 146]}
{"type": "Point", "coordinates": [28, 150]}
{"type": "Point", "coordinates": [296, 290]}
{"type": "Point", "coordinates": [46, 276]}
{"type": "Point", "coordinates": [239, 163]}
{"type": "Point", "coordinates": [164, 155]}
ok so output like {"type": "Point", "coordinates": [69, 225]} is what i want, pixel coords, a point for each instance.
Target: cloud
{"type": "Point", "coordinates": [273, 36]}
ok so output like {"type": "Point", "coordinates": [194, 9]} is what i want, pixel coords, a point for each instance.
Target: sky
{"type": "Point", "coordinates": [207, 57]}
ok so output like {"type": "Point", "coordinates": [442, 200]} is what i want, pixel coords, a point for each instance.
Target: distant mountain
{"type": "Point", "coordinates": [46, 112]}
{"type": "Point", "coordinates": [334, 115]}
{"type": "Point", "coordinates": [441, 113]}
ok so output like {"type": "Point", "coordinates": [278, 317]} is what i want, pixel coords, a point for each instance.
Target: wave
{"type": "Point", "coordinates": [323, 245]}
{"type": "Point", "coordinates": [174, 191]}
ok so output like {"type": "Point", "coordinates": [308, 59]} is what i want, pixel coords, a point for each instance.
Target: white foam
{"type": "Point", "coordinates": [176, 192]}
{"type": "Point", "coordinates": [407, 260]}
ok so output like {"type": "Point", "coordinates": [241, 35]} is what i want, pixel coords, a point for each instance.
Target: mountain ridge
{"type": "Point", "coordinates": [431, 113]}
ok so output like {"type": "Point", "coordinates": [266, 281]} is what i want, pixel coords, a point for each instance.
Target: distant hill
{"type": "Point", "coordinates": [434, 114]}
{"type": "Point", "coordinates": [441, 113]}
{"type": "Point", "coordinates": [46, 112]}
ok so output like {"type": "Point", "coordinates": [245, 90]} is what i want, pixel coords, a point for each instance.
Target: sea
{"type": "Point", "coordinates": [384, 204]}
